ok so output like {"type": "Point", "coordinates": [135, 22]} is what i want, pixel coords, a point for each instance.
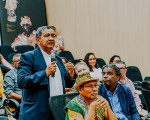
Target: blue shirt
{"type": "Point", "coordinates": [115, 104]}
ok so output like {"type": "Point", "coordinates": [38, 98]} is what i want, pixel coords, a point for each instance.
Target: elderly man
{"type": "Point", "coordinates": [88, 105]}
{"type": "Point", "coordinates": [127, 82]}
{"type": "Point", "coordinates": [80, 68]}
{"type": "Point", "coordinates": [11, 89]}
{"type": "Point", "coordinates": [36, 77]}
{"type": "Point", "coordinates": [119, 97]}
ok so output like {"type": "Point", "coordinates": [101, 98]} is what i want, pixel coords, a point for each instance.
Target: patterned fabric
{"type": "Point", "coordinates": [78, 105]}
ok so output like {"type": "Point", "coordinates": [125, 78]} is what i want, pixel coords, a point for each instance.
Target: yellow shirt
{"type": "Point", "coordinates": [1, 84]}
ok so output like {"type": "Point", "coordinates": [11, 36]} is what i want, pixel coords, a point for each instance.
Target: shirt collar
{"type": "Point", "coordinates": [109, 93]}
{"type": "Point", "coordinates": [45, 54]}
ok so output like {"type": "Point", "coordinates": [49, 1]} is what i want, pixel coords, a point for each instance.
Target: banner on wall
{"type": "Point", "coordinates": [19, 21]}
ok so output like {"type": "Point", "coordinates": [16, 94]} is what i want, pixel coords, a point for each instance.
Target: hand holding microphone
{"type": "Point", "coordinates": [51, 68]}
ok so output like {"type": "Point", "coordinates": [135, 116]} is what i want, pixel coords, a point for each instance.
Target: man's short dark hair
{"type": "Point", "coordinates": [113, 57]}
{"type": "Point", "coordinates": [39, 30]}
{"type": "Point", "coordinates": [116, 69]}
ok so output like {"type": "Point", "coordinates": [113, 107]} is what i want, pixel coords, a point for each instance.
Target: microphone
{"type": "Point", "coordinates": [52, 60]}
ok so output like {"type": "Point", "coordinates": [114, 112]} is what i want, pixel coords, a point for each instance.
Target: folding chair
{"type": "Point", "coordinates": [100, 62]}
{"type": "Point", "coordinates": [57, 104]}
{"type": "Point", "coordinates": [5, 50]}
{"type": "Point", "coordinates": [67, 54]}
{"type": "Point", "coordinates": [134, 74]}
{"type": "Point", "coordinates": [24, 48]}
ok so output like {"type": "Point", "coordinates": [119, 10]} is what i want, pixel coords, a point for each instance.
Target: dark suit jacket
{"type": "Point", "coordinates": [126, 100]}
{"type": "Point", "coordinates": [34, 83]}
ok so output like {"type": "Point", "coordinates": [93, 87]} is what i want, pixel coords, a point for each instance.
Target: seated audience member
{"type": "Point", "coordinates": [5, 66]}
{"type": "Point", "coordinates": [88, 105]}
{"type": "Point", "coordinates": [95, 70]}
{"type": "Point", "coordinates": [11, 89]}
{"type": "Point", "coordinates": [67, 90]}
{"type": "Point", "coordinates": [80, 68]}
{"type": "Point", "coordinates": [119, 96]}
{"type": "Point", "coordinates": [127, 82]}
{"type": "Point", "coordinates": [114, 59]}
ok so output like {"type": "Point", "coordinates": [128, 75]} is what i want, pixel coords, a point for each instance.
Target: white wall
{"type": "Point", "coordinates": [105, 27]}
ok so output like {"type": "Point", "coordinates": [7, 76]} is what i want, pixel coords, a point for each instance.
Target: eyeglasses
{"type": "Point", "coordinates": [91, 86]}
{"type": "Point", "coordinates": [48, 34]}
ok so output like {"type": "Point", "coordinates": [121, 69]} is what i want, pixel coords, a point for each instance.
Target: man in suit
{"type": "Point", "coordinates": [36, 77]}
{"type": "Point", "coordinates": [119, 96]}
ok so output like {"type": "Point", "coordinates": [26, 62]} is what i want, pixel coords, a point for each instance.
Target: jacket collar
{"type": "Point", "coordinates": [39, 58]}
{"type": "Point", "coordinates": [121, 96]}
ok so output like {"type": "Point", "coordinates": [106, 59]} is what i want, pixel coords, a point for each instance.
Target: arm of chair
{"type": "Point", "coordinates": [12, 106]}
{"type": "Point", "coordinates": [137, 83]}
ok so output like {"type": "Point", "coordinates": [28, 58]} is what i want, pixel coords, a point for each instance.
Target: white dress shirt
{"type": "Point", "coordinates": [56, 87]}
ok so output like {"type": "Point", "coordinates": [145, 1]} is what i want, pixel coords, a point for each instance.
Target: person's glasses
{"type": "Point", "coordinates": [91, 86]}
{"type": "Point", "coordinates": [48, 35]}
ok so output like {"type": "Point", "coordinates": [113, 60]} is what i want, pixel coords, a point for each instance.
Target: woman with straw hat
{"type": "Point", "coordinates": [88, 105]}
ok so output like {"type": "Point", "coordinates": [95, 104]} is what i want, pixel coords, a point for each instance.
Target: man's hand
{"type": "Point", "coordinates": [70, 67]}
{"type": "Point", "coordinates": [51, 68]}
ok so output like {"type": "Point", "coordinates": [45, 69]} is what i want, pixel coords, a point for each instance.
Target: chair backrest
{"type": "Point", "coordinates": [57, 104]}
{"type": "Point", "coordinates": [12, 106]}
{"type": "Point", "coordinates": [67, 54]}
{"type": "Point", "coordinates": [134, 74]}
{"type": "Point", "coordinates": [147, 78]}
{"type": "Point", "coordinates": [100, 62]}
{"type": "Point", "coordinates": [146, 85]}
{"type": "Point", "coordinates": [75, 61]}
{"type": "Point", "coordinates": [24, 48]}
{"type": "Point", "coordinates": [5, 50]}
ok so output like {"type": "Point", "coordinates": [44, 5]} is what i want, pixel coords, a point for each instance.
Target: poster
{"type": "Point", "coordinates": [20, 20]}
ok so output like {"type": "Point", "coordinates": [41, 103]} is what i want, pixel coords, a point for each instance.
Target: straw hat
{"type": "Point", "coordinates": [83, 78]}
